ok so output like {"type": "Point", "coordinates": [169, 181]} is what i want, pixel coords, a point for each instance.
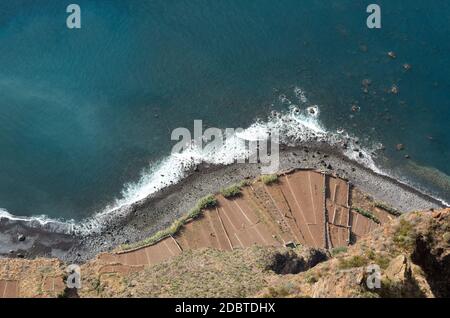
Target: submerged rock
{"type": "Point", "coordinates": [400, 147]}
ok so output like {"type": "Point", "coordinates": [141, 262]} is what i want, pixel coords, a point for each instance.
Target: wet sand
{"type": "Point", "coordinates": [158, 211]}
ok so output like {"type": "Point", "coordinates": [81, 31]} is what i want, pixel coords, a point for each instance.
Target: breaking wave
{"type": "Point", "coordinates": [298, 125]}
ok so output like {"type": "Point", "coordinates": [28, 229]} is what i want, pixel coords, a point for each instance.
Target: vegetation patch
{"type": "Point", "coordinates": [207, 202]}
{"type": "Point", "coordinates": [381, 259]}
{"type": "Point", "coordinates": [232, 191]}
{"type": "Point", "coordinates": [388, 209]}
{"type": "Point", "coordinates": [311, 278]}
{"type": "Point", "coordinates": [269, 179]}
{"type": "Point", "coordinates": [352, 262]}
{"type": "Point", "coordinates": [405, 235]}
{"type": "Point", "coordinates": [367, 214]}
{"type": "Point", "coordinates": [446, 237]}
{"type": "Point", "coordinates": [338, 250]}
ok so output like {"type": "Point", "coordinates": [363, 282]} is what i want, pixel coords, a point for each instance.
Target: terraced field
{"type": "Point", "coordinates": [303, 207]}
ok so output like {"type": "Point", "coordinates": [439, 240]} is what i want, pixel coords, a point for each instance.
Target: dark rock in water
{"type": "Point", "coordinates": [392, 55]}
{"type": "Point", "coordinates": [366, 82]}
{"type": "Point", "coordinates": [21, 237]}
{"type": "Point", "coordinates": [361, 155]}
{"type": "Point", "coordinates": [394, 89]}
{"type": "Point", "coordinates": [355, 108]}
{"type": "Point", "coordinates": [329, 166]}
{"type": "Point", "coordinates": [400, 147]}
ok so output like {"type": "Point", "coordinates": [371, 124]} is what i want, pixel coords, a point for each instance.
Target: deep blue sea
{"type": "Point", "coordinates": [84, 112]}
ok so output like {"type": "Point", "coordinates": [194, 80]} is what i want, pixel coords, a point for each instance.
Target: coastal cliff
{"type": "Point", "coordinates": [267, 238]}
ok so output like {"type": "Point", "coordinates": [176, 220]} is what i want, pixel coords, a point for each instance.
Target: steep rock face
{"type": "Point", "coordinates": [432, 253]}
{"type": "Point", "coordinates": [412, 255]}
{"type": "Point", "coordinates": [338, 285]}
{"type": "Point", "coordinates": [404, 279]}
{"type": "Point", "coordinates": [294, 261]}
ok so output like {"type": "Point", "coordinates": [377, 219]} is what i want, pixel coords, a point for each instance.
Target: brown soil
{"type": "Point", "coordinates": [303, 207]}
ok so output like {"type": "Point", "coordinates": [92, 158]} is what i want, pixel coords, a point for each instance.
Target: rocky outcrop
{"type": "Point", "coordinates": [294, 261]}
{"type": "Point", "coordinates": [432, 253]}
{"type": "Point", "coordinates": [404, 279]}
{"type": "Point", "coordinates": [411, 255]}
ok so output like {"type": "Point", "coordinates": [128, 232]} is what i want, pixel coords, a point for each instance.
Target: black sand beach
{"type": "Point", "coordinates": [156, 212]}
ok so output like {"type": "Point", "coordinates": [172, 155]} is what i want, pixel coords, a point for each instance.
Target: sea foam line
{"type": "Point", "coordinates": [298, 125]}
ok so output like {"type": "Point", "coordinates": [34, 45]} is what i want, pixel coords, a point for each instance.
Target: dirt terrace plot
{"type": "Point", "coordinates": [53, 285]}
{"type": "Point", "coordinates": [148, 255]}
{"type": "Point", "coordinates": [9, 289]}
{"type": "Point", "coordinates": [303, 192]}
{"type": "Point", "coordinates": [338, 211]}
{"type": "Point", "coordinates": [361, 225]}
{"type": "Point", "coordinates": [305, 207]}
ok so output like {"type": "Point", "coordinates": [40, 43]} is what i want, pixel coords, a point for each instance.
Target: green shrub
{"type": "Point", "coordinates": [446, 237]}
{"type": "Point", "coordinates": [244, 183]}
{"type": "Point", "coordinates": [380, 259]}
{"type": "Point", "coordinates": [352, 262]}
{"type": "Point", "coordinates": [209, 201]}
{"type": "Point", "coordinates": [269, 179]}
{"type": "Point", "coordinates": [338, 250]}
{"type": "Point", "coordinates": [388, 209]}
{"type": "Point", "coordinates": [231, 191]}
{"type": "Point", "coordinates": [367, 214]}
{"type": "Point", "coordinates": [311, 278]}
{"type": "Point", "coordinates": [194, 213]}
{"type": "Point", "coordinates": [204, 203]}
{"type": "Point", "coordinates": [405, 235]}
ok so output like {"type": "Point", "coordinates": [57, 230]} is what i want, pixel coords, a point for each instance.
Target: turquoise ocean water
{"type": "Point", "coordinates": [84, 112]}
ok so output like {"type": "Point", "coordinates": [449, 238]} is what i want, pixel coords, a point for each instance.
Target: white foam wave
{"type": "Point", "coordinates": [41, 221]}
{"type": "Point", "coordinates": [295, 126]}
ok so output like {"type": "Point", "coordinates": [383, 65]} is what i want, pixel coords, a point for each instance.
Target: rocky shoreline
{"type": "Point", "coordinates": [156, 212]}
